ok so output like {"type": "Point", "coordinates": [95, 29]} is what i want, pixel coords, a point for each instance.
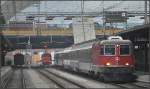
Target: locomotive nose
{"type": "Point", "coordinates": [127, 64]}
{"type": "Point", "coordinates": [117, 60]}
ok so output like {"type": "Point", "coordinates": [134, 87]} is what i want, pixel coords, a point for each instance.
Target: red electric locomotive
{"type": "Point", "coordinates": [113, 59]}
{"type": "Point", "coordinates": [46, 59]}
{"type": "Point", "coordinates": [110, 60]}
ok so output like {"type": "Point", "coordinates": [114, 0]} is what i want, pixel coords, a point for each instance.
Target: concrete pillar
{"type": "Point", "coordinates": [83, 31]}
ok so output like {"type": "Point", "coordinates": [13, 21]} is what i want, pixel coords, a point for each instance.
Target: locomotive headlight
{"type": "Point", "coordinates": [107, 63]}
{"type": "Point", "coordinates": [117, 45]}
{"type": "Point", "coordinates": [127, 64]}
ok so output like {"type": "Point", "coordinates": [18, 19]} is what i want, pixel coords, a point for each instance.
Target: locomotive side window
{"type": "Point", "coordinates": [109, 50]}
{"type": "Point", "coordinates": [124, 50]}
{"type": "Point", "coordinates": [102, 50]}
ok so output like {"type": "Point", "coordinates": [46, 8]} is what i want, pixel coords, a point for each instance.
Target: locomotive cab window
{"type": "Point", "coordinates": [124, 50]}
{"type": "Point", "coordinates": [109, 50]}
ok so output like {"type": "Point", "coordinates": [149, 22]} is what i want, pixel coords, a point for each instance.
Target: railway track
{"type": "Point", "coordinates": [136, 84]}
{"type": "Point", "coordinates": [16, 80]}
{"type": "Point", "coordinates": [23, 81]}
{"type": "Point", "coordinates": [142, 84]}
{"type": "Point", "coordinates": [129, 86]}
{"type": "Point", "coordinates": [60, 81]}
{"type": "Point", "coordinates": [5, 81]}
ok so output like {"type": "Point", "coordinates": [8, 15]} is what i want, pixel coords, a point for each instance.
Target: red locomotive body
{"type": "Point", "coordinates": [110, 59]}
{"type": "Point", "coordinates": [46, 59]}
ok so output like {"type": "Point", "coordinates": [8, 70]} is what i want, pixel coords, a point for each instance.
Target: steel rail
{"type": "Point", "coordinates": [53, 80]}
{"type": "Point", "coordinates": [77, 84]}
{"type": "Point", "coordinates": [6, 81]}
{"type": "Point", "coordinates": [128, 85]}
{"type": "Point", "coordinates": [23, 82]}
{"type": "Point", "coordinates": [121, 85]}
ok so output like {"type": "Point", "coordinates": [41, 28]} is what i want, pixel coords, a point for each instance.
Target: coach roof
{"type": "Point", "coordinates": [115, 42]}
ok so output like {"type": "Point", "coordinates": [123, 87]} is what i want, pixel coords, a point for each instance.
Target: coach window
{"type": "Point", "coordinates": [69, 55]}
{"type": "Point", "coordinates": [87, 53]}
{"type": "Point", "coordinates": [65, 56]}
{"type": "Point", "coordinates": [109, 50]}
{"type": "Point", "coordinates": [74, 55]}
{"type": "Point", "coordinates": [78, 54]}
{"type": "Point", "coordinates": [124, 50]}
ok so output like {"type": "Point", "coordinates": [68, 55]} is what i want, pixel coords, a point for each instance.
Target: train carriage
{"type": "Point", "coordinates": [110, 60]}
{"type": "Point", "coordinates": [18, 59]}
{"type": "Point", "coordinates": [46, 59]}
{"type": "Point", "coordinates": [36, 60]}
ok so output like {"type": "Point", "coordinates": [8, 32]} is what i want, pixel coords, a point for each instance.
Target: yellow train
{"type": "Point", "coordinates": [36, 59]}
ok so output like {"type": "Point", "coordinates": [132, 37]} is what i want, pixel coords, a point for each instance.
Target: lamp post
{"type": "Point", "coordinates": [29, 51]}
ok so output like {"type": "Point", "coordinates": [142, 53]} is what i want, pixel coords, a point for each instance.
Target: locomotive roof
{"type": "Point", "coordinates": [46, 54]}
{"type": "Point", "coordinates": [115, 42]}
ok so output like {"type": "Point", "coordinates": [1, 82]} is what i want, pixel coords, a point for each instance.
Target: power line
{"type": "Point", "coordinates": [82, 12]}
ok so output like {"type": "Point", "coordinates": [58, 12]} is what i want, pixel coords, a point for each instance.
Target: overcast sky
{"type": "Point", "coordinates": [89, 6]}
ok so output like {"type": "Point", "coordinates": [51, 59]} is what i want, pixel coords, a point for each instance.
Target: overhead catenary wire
{"type": "Point", "coordinates": [82, 18]}
{"type": "Point", "coordinates": [39, 29]}
{"type": "Point", "coordinates": [103, 17]}
{"type": "Point", "coordinates": [14, 9]}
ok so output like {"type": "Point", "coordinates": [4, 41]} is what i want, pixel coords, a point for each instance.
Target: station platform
{"type": "Point", "coordinates": [4, 70]}
{"type": "Point", "coordinates": [143, 77]}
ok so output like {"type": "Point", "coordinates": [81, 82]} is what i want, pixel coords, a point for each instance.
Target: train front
{"type": "Point", "coordinates": [116, 60]}
{"type": "Point", "coordinates": [46, 59]}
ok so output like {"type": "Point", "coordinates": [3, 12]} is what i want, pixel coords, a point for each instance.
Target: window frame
{"type": "Point", "coordinates": [101, 50]}
{"type": "Point", "coordinates": [125, 54]}
{"type": "Point", "coordinates": [104, 46]}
